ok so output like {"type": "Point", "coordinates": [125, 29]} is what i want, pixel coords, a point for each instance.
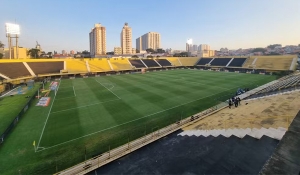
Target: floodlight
{"type": "Point", "coordinates": [189, 41]}
{"type": "Point", "coordinates": [13, 29]}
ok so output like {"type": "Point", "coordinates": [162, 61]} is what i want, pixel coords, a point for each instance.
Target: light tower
{"type": "Point", "coordinates": [12, 31]}
{"type": "Point", "coordinates": [188, 44]}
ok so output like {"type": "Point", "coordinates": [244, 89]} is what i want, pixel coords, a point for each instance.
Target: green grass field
{"type": "Point", "coordinates": [100, 113]}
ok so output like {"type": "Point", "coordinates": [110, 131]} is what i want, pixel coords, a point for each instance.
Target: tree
{"type": "Point", "coordinates": [161, 51]}
{"type": "Point", "coordinates": [34, 53]}
{"type": "Point", "coordinates": [150, 50]}
{"type": "Point", "coordinates": [1, 45]}
{"type": "Point", "coordinates": [1, 55]}
{"type": "Point", "coordinates": [272, 46]}
{"type": "Point", "coordinates": [258, 50]}
{"type": "Point", "coordinates": [137, 51]}
{"type": "Point", "coordinates": [149, 56]}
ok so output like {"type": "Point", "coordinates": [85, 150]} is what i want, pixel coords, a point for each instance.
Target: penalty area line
{"type": "Point", "coordinates": [47, 118]}
{"type": "Point", "coordinates": [108, 89]}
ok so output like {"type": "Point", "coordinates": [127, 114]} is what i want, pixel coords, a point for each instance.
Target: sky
{"type": "Point", "coordinates": [65, 24]}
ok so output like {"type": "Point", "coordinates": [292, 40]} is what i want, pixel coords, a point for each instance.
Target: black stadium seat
{"type": "Point", "coordinates": [163, 62]}
{"type": "Point", "coordinates": [150, 63]}
{"type": "Point", "coordinates": [237, 62]}
{"type": "Point", "coordinates": [204, 61]}
{"type": "Point", "coordinates": [137, 63]}
{"type": "Point", "coordinates": [220, 61]}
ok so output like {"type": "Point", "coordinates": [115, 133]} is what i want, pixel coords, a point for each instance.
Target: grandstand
{"type": "Point", "coordinates": [237, 62]}
{"type": "Point", "coordinates": [273, 62]}
{"type": "Point", "coordinates": [290, 81]}
{"type": "Point", "coordinates": [46, 67]}
{"type": "Point", "coordinates": [151, 63]}
{"type": "Point", "coordinates": [76, 66]}
{"type": "Point", "coordinates": [164, 62]}
{"type": "Point", "coordinates": [220, 61]}
{"type": "Point", "coordinates": [174, 61]}
{"type": "Point", "coordinates": [119, 64]}
{"type": "Point", "coordinates": [137, 63]}
{"type": "Point", "coordinates": [154, 100]}
{"type": "Point", "coordinates": [188, 61]}
{"type": "Point", "coordinates": [99, 65]}
{"type": "Point", "coordinates": [204, 61]}
{"type": "Point", "coordinates": [14, 70]}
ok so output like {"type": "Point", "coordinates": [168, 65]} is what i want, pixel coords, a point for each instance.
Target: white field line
{"type": "Point", "coordinates": [74, 91]}
{"type": "Point", "coordinates": [47, 117]}
{"type": "Point", "coordinates": [64, 98]}
{"type": "Point", "coordinates": [108, 89]}
{"type": "Point", "coordinates": [132, 120]}
{"type": "Point", "coordinates": [84, 106]}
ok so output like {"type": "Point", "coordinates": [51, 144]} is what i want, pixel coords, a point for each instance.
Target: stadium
{"type": "Point", "coordinates": [99, 115]}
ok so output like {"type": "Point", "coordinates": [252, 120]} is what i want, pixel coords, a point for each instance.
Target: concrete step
{"type": "Point", "coordinates": [275, 133]}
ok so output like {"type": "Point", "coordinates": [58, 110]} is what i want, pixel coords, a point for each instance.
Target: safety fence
{"type": "Point", "coordinates": [17, 118]}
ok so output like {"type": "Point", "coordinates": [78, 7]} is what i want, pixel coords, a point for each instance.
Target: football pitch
{"type": "Point", "coordinates": [89, 116]}
{"type": "Point", "coordinates": [87, 106]}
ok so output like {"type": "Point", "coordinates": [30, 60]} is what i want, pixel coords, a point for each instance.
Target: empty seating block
{"type": "Point", "coordinates": [274, 62]}
{"type": "Point", "coordinates": [204, 61]}
{"type": "Point", "coordinates": [150, 63]}
{"type": "Point", "coordinates": [99, 65]}
{"type": "Point", "coordinates": [137, 63]}
{"type": "Point", "coordinates": [188, 61]}
{"type": "Point", "coordinates": [46, 67]}
{"type": "Point", "coordinates": [120, 64]}
{"type": "Point", "coordinates": [76, 66]}
{"type": "Point", "coordinates": [237, 62]}
{"type": "Point", "coordinates": [220, 61]}
{"type": "Point", "coordinates": [14, 70]}
{"type": "Point", "coordinates": [174, 61]}
{"type": "Point", "coordinates": [164, 62]}
{"type": "Point", "coordinates": [248, 62]}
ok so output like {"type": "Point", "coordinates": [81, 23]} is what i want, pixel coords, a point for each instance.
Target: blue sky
{"type": "Point", "coordinates": [65, 24]}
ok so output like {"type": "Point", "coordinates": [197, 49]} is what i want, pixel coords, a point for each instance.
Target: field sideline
{"type": "Point", "coordinates": [96, 114]}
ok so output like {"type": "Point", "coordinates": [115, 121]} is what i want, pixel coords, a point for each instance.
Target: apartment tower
{"type": "Point", "coordinates": [98, 40]}
{"type": "Point", "coordinates": [126, 39]}
{"type": "Point", "coordinates": [150, 40]}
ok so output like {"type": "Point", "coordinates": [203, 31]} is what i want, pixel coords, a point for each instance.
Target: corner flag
{"type": "Point", "coordinates": [33, 143]}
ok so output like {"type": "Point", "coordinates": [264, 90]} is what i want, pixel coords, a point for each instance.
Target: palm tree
{"type": "Point", "coordinates": [34, 53]}
{"type": "Point", "coordinates": [1, 45]}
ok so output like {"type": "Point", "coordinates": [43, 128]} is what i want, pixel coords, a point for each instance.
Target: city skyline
{"type": "Point", "coordinates": [236, 24]}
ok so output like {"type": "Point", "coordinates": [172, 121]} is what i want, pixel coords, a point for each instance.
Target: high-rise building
{"type": "Point", "coordinates": [150, 40]}
{"type": "Point", "coordinates": [133, 51]}
{"type": "Point", "coordinates": [203, 47]}
{"type": "Point", "coordinates": [117, 51]}
{"type": "Point", "coordinates": [189, 47]}
{"type": "Point", "coordinates": [126, 39]}
{"type": "Point", "coordinates": [63, 52]}
{"type": "Point", "coordinates": [195, 48]}
{"type": "Point", "coordinates": [204, 51]}
{"type": "Point", "coordinates": [98, 40]}
{"type": "Point", "coordinates": [138, 43]}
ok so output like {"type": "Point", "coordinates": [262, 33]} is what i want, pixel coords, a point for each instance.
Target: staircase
{"type": "Point", "coordinates": [196, 155]}
{"type": "Point", "coordinates": [241, 133]}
